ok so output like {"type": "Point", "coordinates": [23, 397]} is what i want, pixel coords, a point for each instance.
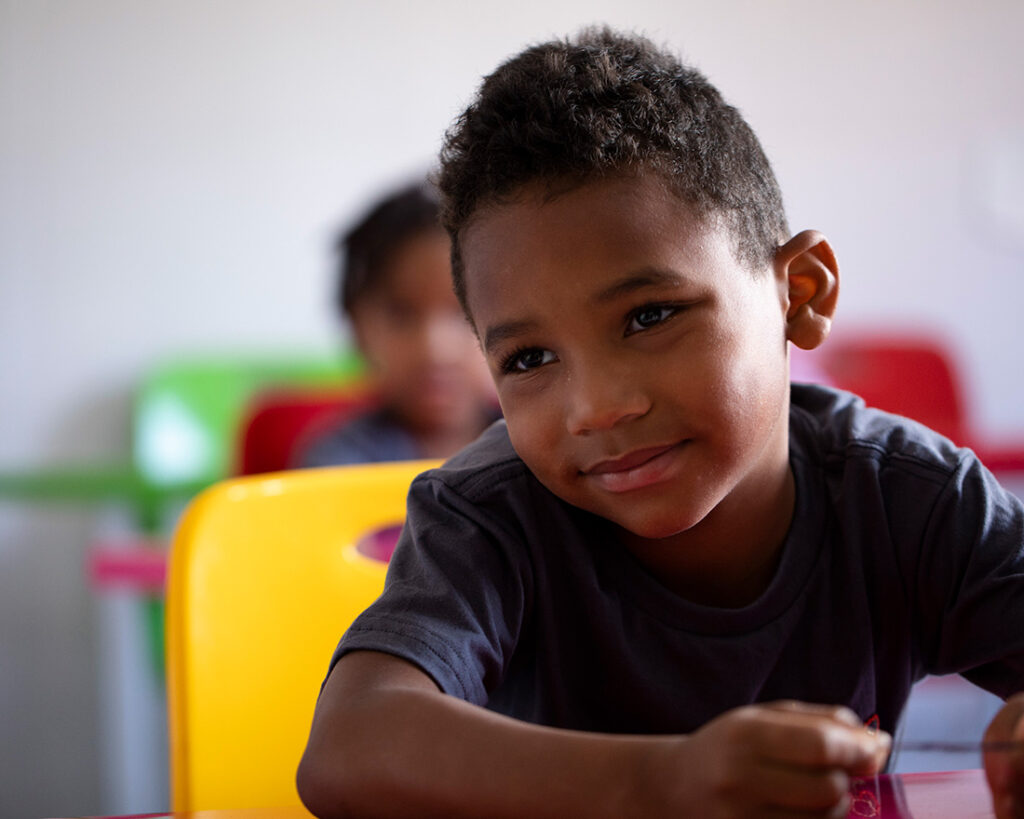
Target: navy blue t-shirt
{"type": "Point", "coordinates": [905, 557]}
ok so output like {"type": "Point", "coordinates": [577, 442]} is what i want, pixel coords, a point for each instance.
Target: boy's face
{"type": "Point", "coordinates": [642, 369]}
{"type": "Point", "coordinates": [426, 362]}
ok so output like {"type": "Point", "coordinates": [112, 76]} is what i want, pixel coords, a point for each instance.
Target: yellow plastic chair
{"type": "Point", "coordinates": [264, 578]}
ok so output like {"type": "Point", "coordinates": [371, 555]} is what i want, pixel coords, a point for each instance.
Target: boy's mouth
{"type": "Point", "coordinates": [634, 470]}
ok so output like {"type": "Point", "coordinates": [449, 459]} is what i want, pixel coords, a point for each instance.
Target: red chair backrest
{"type": "Point", "coordinates": [909, 375]}
{"type": "Point", "coordinates": [277, 423]}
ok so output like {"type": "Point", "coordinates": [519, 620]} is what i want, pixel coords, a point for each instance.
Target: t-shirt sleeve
{"type": "Point", "coordinates": [456, 594]}
{"type": "Point", "coordinates": [971, 581]}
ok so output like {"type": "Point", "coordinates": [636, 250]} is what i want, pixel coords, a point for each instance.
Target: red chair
{"type": "Point", "coordinates": [277, 423]}
{"type": "Point", "coordinates": [912, 375]}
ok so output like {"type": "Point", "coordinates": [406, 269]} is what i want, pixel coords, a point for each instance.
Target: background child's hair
{"type": "Point", "coordinates": [366, 249]}
{"type": "Point", "coordinates": [569, 111]}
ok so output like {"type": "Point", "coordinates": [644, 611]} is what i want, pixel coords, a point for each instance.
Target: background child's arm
{"type": "Point", "coordinates": [1005, 770]}
{"type": "Point", "coordinates": [385, 741]}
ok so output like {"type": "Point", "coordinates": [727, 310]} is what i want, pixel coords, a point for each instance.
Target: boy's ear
{"type": "Point", "coordinates": [807, 269]}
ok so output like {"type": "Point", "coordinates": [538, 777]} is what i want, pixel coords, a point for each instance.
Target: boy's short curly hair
{"type": "Point", "coordinates": [366, 249]}
{"type": "Point", "coordinates": [571, 111]}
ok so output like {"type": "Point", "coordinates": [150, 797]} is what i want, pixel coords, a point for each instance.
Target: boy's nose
{"type": "Point", "coordinates": [602, 399]}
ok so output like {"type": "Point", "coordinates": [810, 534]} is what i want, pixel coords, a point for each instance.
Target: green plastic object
{"type": "Point", "coordinates": [85, 483]}
{"type": "Point", "coordinates": [98, 484]}
{"type": "Point", "coordinates": [188, 411]}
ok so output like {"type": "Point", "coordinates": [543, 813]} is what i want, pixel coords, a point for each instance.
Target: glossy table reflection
{"type": "Point", "coordinates": [953, 795]}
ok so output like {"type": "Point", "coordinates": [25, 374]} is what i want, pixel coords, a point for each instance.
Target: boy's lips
{"type": "Point", "coordinates": [634, 470]}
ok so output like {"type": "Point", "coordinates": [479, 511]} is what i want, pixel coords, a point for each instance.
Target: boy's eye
{"type": "Point", "coordinates": [648, 316]}
{"type": "Point", "coordinates": [524, 360]}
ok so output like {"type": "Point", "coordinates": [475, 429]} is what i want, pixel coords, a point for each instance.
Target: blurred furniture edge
{"type": "Point", "coordinates": [264, 578]}
{"type": "Point", "coordinates": [913, 374]}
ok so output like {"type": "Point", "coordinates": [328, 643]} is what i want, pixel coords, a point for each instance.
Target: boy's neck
{"type": "Point", "coordinates": [728, 559]}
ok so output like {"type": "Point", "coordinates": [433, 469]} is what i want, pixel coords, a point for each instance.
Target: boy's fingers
{"type": "Point", "coordinates": [803, 789]}
{"type": "Point", "coordinates": [803, 738]}
{"type": "Point", "coordinates": [839, 713]}
{"type": "Point", "coordinates": [855, 751]}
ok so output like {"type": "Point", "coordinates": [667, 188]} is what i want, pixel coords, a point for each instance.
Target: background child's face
{"type": "Point", "coordinates": [641, 368]}
{"type": "Point", "coordinates": [423, 354]}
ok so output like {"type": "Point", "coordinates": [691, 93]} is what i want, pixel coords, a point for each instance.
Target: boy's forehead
{"type": "Point", "coordinates": [617, 226]}
{"type": "Point", "coordinates": [541, 216]}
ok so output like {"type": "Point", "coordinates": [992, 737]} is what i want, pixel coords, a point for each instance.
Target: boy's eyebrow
{"type": "Point", "coordinates": [638, 280]}
{"type": "Point", "coordinates": [509, 329]}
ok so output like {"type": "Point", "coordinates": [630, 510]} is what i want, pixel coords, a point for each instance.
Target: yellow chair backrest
{"type": "Point", "coordinates": [264, 579]}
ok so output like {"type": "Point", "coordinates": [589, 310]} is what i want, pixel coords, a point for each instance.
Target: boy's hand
{"type": "Point", "coordinates": [1005, 769]}
{"type": "Point", "coordinates": [780, 759]}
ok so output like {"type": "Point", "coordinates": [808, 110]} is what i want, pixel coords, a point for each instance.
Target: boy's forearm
{"type": "Point", "coordinates": [386, 742]}
{"type": "Point", "coordinates": [414, 752]}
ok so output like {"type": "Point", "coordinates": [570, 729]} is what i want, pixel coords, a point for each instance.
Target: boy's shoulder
{"type": "Point", "coordinates": [830, 426]}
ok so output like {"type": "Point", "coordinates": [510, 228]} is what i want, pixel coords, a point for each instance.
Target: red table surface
{"type": "Point", "coordinates": [952, 795]}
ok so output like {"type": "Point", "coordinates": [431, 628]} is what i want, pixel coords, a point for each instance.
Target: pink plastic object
{"type": "Point", "coordinates": [380, 543]}
{"type": "Point", "coordinates": [137, 565]}
{"type": "Point", "coordinates": [141, 565]}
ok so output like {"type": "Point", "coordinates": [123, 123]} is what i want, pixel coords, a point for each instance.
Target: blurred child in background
{"type": "Point", "coordinates": [434, 391]}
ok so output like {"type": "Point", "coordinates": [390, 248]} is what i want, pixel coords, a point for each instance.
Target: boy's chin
{"type": "Point", "coordinates": [658, 529]}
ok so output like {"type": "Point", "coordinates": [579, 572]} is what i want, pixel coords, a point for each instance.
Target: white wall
{"type": "Point", "coordinates": [171, 174]}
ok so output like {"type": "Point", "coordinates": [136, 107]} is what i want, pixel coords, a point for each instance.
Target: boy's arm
{"type": "Point", "coordinates": [386, 742]}
{"type": "Point", "coordinates": [1005, 770]}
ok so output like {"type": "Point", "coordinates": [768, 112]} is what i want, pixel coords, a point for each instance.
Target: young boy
{"type": "Point", "coordinates": [434, 393]}
{"type": "Point", "coordinates": [667, 584]}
